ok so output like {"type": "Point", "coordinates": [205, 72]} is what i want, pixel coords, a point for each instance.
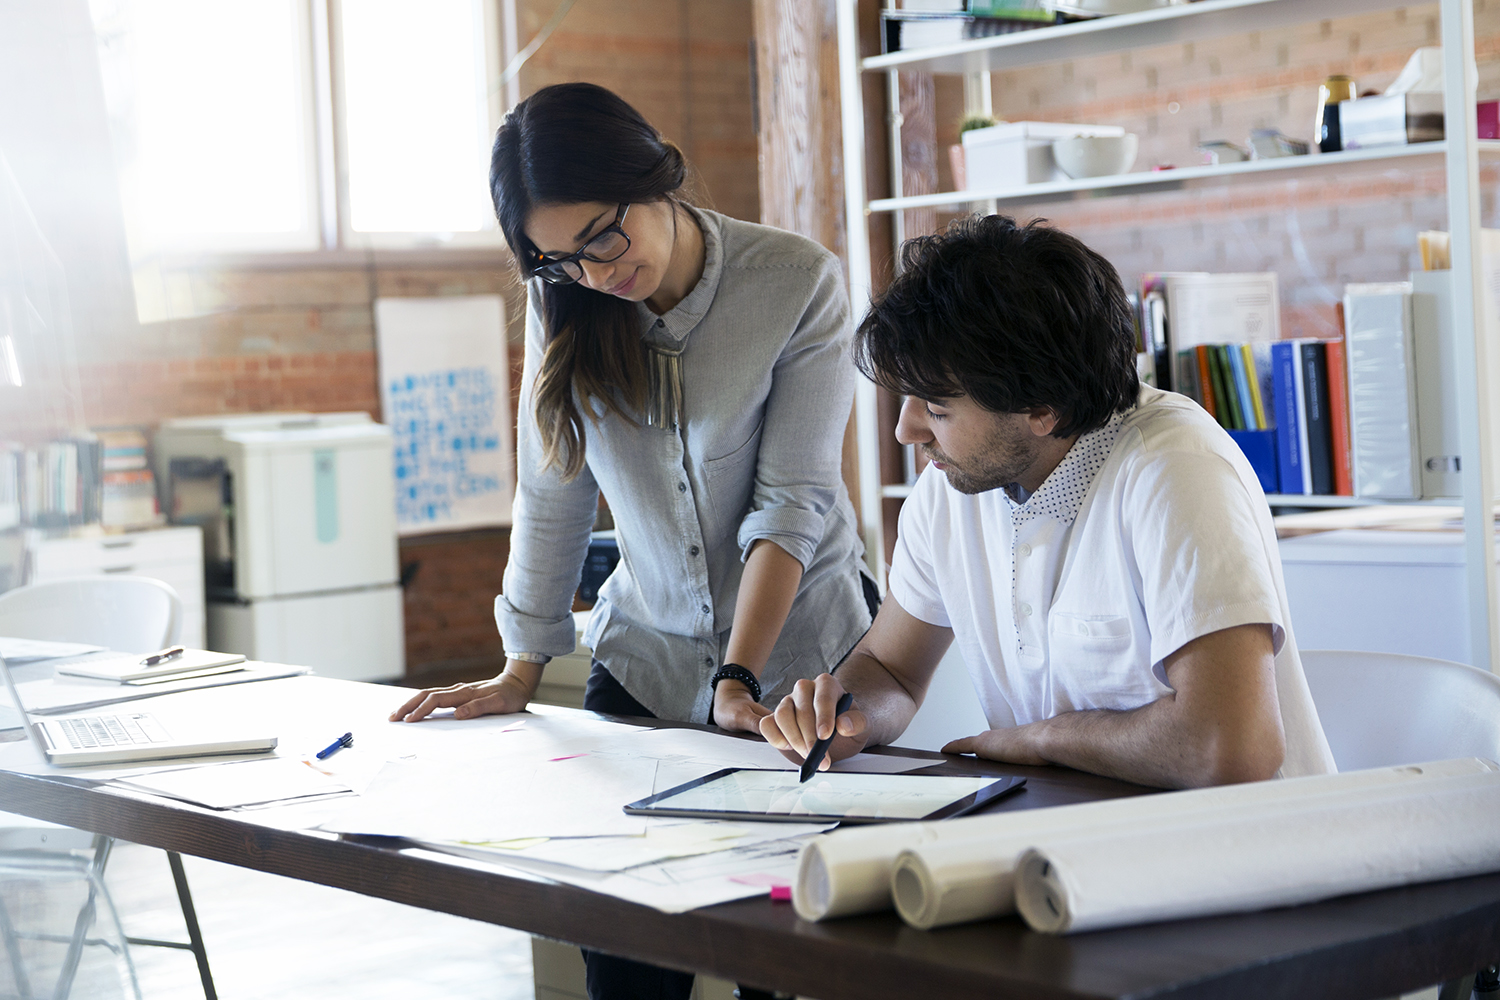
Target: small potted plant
{"type": "Point", "coordinates": [956, 151]}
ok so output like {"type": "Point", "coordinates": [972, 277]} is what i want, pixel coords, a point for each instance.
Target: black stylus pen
{"type": "Point", "coordinates": [820, 749]}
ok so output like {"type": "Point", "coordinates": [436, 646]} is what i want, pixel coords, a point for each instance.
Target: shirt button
{"type": "Point", "coordinates": [693, 551]}
{"type": "Point", "coordinates": [708, 661]}
{"type": "Point", "coordinates": [682, 487]}
{"type": "Point", "coordinates": [1026, 609]}
{"type": "Point", "coordinates": [706, 609]}
{"type": "Point", "coordinates": [1024, 549]}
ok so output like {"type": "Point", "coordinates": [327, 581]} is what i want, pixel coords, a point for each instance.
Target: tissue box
{"type": "Point", "coordinates": [1391, 120]}
{"type": "Point", "coordinates": [1007, 156]}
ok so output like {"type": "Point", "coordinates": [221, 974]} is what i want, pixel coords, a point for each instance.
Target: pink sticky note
{"type": "Point", "coordinates": [762, 878]}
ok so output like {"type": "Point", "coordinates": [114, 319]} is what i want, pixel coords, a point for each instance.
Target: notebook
{"type": "Point", "coordinates": [134, 668]}
{"type": "Point", "coordinates": [121, 736]}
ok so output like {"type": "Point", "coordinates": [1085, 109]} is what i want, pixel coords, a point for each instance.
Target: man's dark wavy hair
{"type": "Point", "coordinates": [1014, 317]}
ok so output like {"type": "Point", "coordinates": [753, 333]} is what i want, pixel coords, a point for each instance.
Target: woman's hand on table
{"type": "Point", "coordinates": [734, 709]}
{"type": "Point", "coordinates": [808, 714]}
{"type": "Point", "coordinates": [497, 696]}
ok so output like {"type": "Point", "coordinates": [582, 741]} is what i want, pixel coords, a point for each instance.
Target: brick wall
{"type": "Point", "coordinates": [283, 333]}
{"type": "Point", "coordinates": [1319, 231]}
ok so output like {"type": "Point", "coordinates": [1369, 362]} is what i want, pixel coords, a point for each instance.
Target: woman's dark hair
{"type": "Point", "coordinates": [566, 144]}
{"type": "Point", "coordinates": [1014, 317]}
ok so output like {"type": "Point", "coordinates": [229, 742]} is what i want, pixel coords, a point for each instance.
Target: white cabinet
{"type": "Point", "coordinates": [171, 555]}
{"type": "Point", "coordinates": [1460, 154]}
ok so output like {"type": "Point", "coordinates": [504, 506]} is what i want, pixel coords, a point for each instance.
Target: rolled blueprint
{"type": "Point", "coordinates": [1252, 856]}
{"type": "Point", "coordinates": [850, 871]}
{"type": "Point", "coordinates": [955, 880]}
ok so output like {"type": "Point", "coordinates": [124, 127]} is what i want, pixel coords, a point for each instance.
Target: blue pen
{"type": "Point", "coordinates": [347, 740]}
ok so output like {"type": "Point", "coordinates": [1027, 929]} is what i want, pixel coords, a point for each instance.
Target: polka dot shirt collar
{"type": "Point", "coordinates": [1062, 493]}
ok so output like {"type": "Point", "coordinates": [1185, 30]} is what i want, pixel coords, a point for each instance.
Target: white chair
{"type": "Point", "coordinates": [131, 614]}
{"type": "Point", "coordinates": [1381, 709]}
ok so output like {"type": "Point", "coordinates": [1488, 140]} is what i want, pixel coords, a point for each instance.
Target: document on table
{"type": "Point", "coordinates": [27, 650]}
{"type": "Point", "coordinates": [61, 695]}
{"type": "Point", "coordinates": [663, 840]}
{"type": "Point", "coordinates": [238, 784]}
{"type": "Point", "coordinates": [713, 751]}
{"type": "Point", "coordinates": [673, 886]}
{"type": "Point", "coordinates": [579, 795]}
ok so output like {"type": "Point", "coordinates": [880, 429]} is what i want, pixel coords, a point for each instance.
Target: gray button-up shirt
{"type": "Point", "coordinates": [767, 388]}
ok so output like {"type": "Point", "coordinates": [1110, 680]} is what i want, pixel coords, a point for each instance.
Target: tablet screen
{"type": "Point", "coordinates": [743, 793]}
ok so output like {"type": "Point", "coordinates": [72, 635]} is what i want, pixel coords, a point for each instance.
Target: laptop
{"type": "Point", "coordinates": [120, 735]}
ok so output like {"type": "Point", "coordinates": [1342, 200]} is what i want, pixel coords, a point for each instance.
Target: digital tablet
{"type": "Point", "coordinates": [832, 796]}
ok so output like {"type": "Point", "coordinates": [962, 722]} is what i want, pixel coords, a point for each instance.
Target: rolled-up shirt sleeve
{"type": "Point", "coordinates": [800, 465]}
{"type": "Point", "coordinates": [552, 520]}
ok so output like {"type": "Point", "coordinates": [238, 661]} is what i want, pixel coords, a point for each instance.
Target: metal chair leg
{"type": "Point", "coordinates": [13, 950]}
{"type": "Point", "coordinates": [75, 945]}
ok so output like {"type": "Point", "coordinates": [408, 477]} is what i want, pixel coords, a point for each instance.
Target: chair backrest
{"type": "Point", "coordinates": [131, 614]}
{"type": "Point", "coordinates": [1381, 709]}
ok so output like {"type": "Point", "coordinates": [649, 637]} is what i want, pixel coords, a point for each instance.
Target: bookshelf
{"type": "Point", "coordinates": [1459, 154]}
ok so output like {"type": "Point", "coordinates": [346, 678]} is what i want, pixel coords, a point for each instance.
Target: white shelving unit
{"type": "Point", "coordinates": [1460, 154]}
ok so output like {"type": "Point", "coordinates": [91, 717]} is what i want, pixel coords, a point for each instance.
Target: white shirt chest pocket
{"type": "Point", "coordinates": [1094, 663]}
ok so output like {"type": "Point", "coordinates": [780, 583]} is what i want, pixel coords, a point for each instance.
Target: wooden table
{"type": "Point", "coordinates": [1373, 945]}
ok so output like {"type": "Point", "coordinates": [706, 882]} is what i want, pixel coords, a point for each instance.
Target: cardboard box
{"type": "Point", "coordinates": [1391, 120]}
{"type": "Point", "coordinates": [1014, 154]}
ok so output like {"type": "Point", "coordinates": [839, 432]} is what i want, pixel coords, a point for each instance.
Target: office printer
{"type": "Point", "coordinates": [298, 514]}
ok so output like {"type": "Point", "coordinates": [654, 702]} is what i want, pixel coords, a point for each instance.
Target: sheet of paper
{"type": "Point", "coordinates": [244, 783]}
{"type": "Point", "coordinates": [25, 650]}
{"type": "Point", "coordinates": [65, 695]}
{"type": "Point", "coordinates": [662, 841]}
{"type": "Point", "coordinates": [674, 886]}
{"type": "Point", "coordinates": [711, 751]}
{"type": "Point", "coordinates": [476, 801]}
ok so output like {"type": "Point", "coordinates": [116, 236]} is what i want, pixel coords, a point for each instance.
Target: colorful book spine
{"type": "Point", "coordinates": [1257, 404]}
{"type": "Point", "coordinates": [1231, 390]}
{"type": "Point", "coordinates": [1338, 419]}
{"type": "Point", "coordinates": [1284, 400]}
{"type": "Point", "coordinates": [1206, 381]}
{"type": "Point", "coordinates": [1241, 387]}
{"type": "Point", "coordinates": [1315, 405]}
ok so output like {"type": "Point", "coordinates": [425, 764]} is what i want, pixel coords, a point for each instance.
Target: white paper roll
{"type": "Point", "coordinates": [969, 875]}
{"type": "Point", "coordinates": [849, 871]}
{"type": "Point", "coordinates": [1255, 855]}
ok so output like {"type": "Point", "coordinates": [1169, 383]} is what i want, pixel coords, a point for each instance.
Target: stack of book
{"type": "Point", "coordinates": [60, 483]}
{"type": "Point", "coordinates": [1285, 403]}
{"type": "Point", "coordinates": [920, 24]}
{"type": "Point", "coordinates": [1217, 339]}
{"type": "Point", "coordinates": [129, 487]}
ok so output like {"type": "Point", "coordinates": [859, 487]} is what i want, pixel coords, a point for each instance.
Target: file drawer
{"type": "Point", "coordinates": [171, 555]}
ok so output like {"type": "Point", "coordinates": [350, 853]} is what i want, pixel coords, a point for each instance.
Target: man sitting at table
{"type": "Point", "coordinates": [1101, 550]}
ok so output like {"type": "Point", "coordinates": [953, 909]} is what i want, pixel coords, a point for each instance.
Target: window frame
{"type": "Point", "coordinates": [330, 13]}
{"type": "Point", "coordinates": [328, 239]}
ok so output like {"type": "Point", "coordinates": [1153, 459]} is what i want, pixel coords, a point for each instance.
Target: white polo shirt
{"type": "Point", "coordinates": [1152, 531]}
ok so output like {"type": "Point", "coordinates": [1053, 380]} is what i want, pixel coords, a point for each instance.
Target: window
{"type": "Point", "coordinates": [418, 116]}
{"type": "Point", "coordinates": [295, 125]}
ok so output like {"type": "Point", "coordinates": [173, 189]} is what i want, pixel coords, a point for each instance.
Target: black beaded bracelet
{"type": "Point", "coordinates": [735, 672]}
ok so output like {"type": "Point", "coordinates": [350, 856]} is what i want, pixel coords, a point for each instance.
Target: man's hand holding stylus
{"type": "Point", "coordinates": [808, 714]}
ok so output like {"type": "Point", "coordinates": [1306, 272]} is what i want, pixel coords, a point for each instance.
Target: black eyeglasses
{"type": "Point", "coordinates": [609, 245]}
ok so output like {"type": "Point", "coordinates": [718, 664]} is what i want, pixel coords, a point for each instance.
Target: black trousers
{"type": "Point", "coordinates": [606, 976]}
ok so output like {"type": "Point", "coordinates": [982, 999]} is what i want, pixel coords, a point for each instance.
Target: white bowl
{"type": "Point", "coordinates": [1095, 155]}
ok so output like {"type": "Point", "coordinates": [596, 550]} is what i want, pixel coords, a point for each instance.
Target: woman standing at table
{"type": "Point", "coordinates": [695, 369]}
